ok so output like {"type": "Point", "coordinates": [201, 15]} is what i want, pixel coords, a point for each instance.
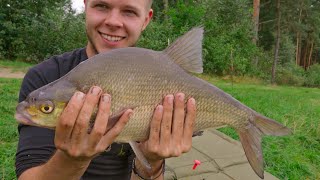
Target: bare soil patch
{"type": "Point", "coordinates": [9, 73]}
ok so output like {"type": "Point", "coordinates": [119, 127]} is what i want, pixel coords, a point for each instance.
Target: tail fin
{"type": "Point", "coordinates": [251, 136]}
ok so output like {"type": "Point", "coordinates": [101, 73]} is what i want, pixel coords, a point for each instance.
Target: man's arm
{"type": "Point", "coordinates": [75, 147]}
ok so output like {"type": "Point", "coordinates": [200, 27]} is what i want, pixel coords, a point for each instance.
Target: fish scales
{"type": "Point", "coordinates": [139, 82]}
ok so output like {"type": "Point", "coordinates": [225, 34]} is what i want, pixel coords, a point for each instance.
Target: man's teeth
{"type": "Point", "coordinates": [112, 38]}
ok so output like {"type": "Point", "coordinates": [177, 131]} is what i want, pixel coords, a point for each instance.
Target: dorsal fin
{"type": "Point", "coordinates": [186, 51]}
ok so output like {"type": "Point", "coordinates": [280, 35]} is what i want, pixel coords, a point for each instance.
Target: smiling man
{"type": "Point", "coordinates": [70, 152]}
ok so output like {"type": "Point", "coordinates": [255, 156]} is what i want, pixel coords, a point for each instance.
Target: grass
{"type": "Point", "coordinates": [15, 65]}
{"type": "Point", "coordinates": [9, 89]}
{"type": "Point", "coordinates": [292, 157]}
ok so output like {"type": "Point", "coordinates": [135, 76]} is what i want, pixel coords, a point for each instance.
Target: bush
{"type": "Point", "coordinates": [290, 74]}
{"type": "Point", "coordinates": [181, 18]}
{"type": "Point", "coordinates": [313, 76]}
{"type": "Point", "coordinates": [228, 45]}
{"type": "Point", "coordinates": [45, 36]}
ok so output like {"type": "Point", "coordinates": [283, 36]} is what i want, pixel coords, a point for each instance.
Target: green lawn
{"type": "Point", "coordinates": [293, 157]}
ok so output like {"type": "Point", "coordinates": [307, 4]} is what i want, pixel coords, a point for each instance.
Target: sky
{"type": "Point", "coordinates": [78, 5]}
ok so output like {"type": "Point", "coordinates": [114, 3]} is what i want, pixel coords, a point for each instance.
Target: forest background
{"type": "Point", "coordinates": [272, 40]}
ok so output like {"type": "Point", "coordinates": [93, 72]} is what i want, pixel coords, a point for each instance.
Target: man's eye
{"type": "Point", "coordinates": [130, 13]}
{"type": "Point", "coordinates": [101, 6]}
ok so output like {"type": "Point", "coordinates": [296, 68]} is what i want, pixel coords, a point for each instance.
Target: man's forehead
{"type": "Point", "coordinates": [147, 2]}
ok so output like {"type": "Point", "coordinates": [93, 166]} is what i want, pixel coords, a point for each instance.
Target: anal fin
{"type": "Point", "coordinates": [140, 155]}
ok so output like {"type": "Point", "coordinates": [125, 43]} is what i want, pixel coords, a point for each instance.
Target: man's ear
{"type": "Point", "coordinates": [148, 19]}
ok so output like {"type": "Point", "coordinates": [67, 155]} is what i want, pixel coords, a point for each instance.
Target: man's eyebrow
{"type": "Point", "coordinates": [132, 8]}
{"type": "Point", "coordinates": [99, 2]}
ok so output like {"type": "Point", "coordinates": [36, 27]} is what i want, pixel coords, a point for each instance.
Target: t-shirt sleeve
{"type": "Point", "coordinates": [35, 144]}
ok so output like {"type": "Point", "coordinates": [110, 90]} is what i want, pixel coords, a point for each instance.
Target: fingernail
{"type": "Point", "coordinates": [181, 96]}
{"type": "Point", "coordinates": [79, 95]}
{"type": "Point", "coordinates": [130, 114]}
{"type": "Point", "coordinates": [95, 91]}
{"type": "Point", "coordinates": [159, 108]}
{"type": "Point", "coordinates": [106, 98]}
{"type": "Point", "coordinates": [192, 101]}
{"type": "Point", "coordinates": [170, 99]}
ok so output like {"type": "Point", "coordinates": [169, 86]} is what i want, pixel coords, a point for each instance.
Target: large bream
{"type": "Point", "coordinates": [139, 78]}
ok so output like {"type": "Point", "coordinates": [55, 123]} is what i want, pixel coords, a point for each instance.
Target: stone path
{"type": "Point", "coordinates": [222, 158]}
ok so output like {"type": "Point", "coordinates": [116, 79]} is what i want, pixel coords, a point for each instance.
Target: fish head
{"type": "Point", "coordinates": [39, 110]}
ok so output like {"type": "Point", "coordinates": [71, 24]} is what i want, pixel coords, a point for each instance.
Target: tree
{"type": "Point", "coordinates": [276, 51]}
{"type": "Point", "coordinates": [256, 13]}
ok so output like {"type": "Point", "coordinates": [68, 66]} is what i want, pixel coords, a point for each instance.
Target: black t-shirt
{"type": "Point", "coordinates": [36, 145]}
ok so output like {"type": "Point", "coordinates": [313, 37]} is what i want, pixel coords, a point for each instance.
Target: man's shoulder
{"type": "Point", "coordinates": [62, 63]}
{"type": "Point", "coordinates": [50, 70]}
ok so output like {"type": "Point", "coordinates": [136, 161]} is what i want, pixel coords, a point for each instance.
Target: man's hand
{"type": "Point", "coordinates": [72, 135]}
{"type": "Point", "coordinates": [171, 130]}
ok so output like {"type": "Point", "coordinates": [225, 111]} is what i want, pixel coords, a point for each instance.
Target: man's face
{"type": "Point", "coordinates": [115, 23]}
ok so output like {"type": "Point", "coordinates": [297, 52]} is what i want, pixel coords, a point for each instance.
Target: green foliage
{"type": "Point", "coordinates": [182, 17]}
{"type": "Point", "coordinates": [290, 74]}
{"type": "Point", "coordinates": [34, 32]}
{"type": "Point", "coordinates": [228, 45]}
{"type": "Point", "coordinates": [287, 53]}
{"type": "Point", "coordinates": [313, 76]}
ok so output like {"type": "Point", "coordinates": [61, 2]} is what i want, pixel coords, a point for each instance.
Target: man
{"type": "Point", "coordinates": [70, 152]}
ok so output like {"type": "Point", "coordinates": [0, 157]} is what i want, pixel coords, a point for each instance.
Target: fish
{"type": "Point", "coordinates": [139, 78]}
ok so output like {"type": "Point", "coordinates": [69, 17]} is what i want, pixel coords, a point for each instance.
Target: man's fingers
{"type": "Point", "coordinates": [189, 124]}
{"type": "Point", "coordinates": [166, 121]}
{"type": "Point", "coordinates": [82, 123]}
{"type": "Point", "coordinates": [100, 125]}
{"type": "Point", "coordinates": [68, 119]}
{"type": "Point", "coordinates": [178, 118]}
{"type": "Point", "coordinates": [111, 135]}
{"type": "Point", "coordinates": [155, 127]}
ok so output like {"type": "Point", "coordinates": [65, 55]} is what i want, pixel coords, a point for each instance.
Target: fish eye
{"type": "Point", "coordinates": [46, 108]}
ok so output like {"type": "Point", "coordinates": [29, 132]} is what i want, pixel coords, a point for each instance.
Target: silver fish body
{"type": "Point", "coordinates": [139, 78]}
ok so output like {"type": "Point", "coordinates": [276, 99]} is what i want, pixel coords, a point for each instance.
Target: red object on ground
{"type": "Point", "coordinates": [196, 163]}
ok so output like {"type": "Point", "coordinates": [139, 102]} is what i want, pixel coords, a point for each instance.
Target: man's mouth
{"type": "Point", "coordinates": [112, 38]}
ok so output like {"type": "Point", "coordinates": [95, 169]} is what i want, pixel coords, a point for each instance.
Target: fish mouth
{"type": "Point", "coordinates": [24, 119]}
{"type": "Point", "coordinates": [21, 116]}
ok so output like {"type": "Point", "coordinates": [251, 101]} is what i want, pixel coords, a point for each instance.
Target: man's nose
{"type": "Point", "coordinates": [114, 19]}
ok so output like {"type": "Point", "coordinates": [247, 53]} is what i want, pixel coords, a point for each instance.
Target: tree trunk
{"type": "Point", "coordinates": [256, 13]}
{"type": "Point", "coordinates": [310, 54]}
{"type": "Point", "coordinates": [166, 8]}
{"type": "Point", "coordinates": [276, 50]}
{"type": "Point", "coordinates": [305, 53]}
{"type": "Point", "coordinates": [298, 47]}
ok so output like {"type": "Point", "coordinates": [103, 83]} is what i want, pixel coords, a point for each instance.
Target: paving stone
{"type": "Point", "coordinates": [207, 176]}
{"type": "Point", "coordinates": [229, 161]}
{"type": "Point", "coordinates": [245, 172]}
{"type": "Point", "coordinates": [186, 171]}
{"type": "Point", "coordinates": [216, 147]}
{"type": "Point", "coordinates": [222, 158]}
{"type": "Point", "coordinates": [186, 159]}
